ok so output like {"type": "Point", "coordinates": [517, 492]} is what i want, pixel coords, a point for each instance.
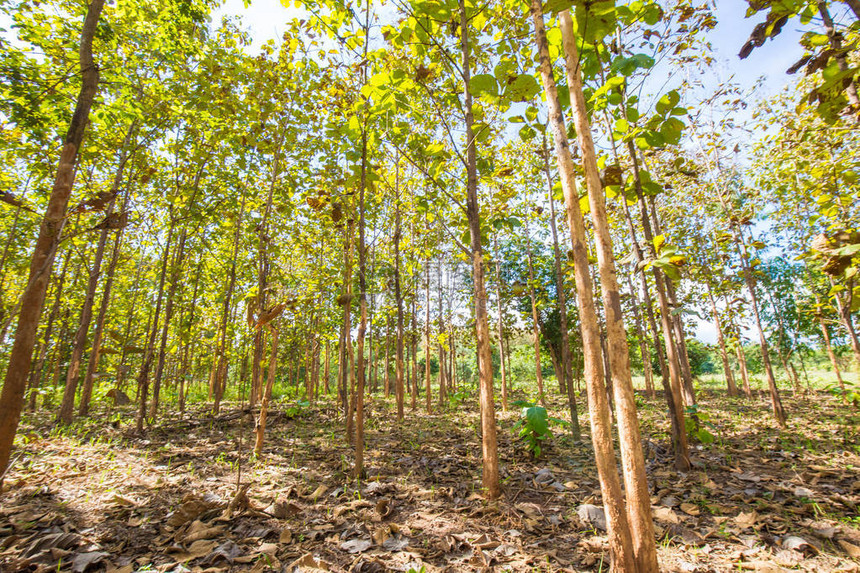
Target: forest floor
{"type": "Point", "coordinates": [98, 497]}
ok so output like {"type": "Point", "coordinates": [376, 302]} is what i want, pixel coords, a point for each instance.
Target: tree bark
{"type": "Point", "coordinates": [36, 372]}
{"type": "Point", "coordinates": [501, 330]}
{"type": "Point", "coordinates": [535, 329]}
{"type": "Point", "coordinates": [490, 455]}
{"type": "Point", "coordinates": [620, 540]}
{"type": "Point", "coordinates": [561, 293]}
{"type": "Point", "coordinates": [33, 298]}
{"type": "Point", "coordinates": [143, 377]}
{"type": "Point", "coordinates": [632, 458]}
{"type": "Point", "coordinates": [730, 379]}
{"type": "Point", "coordinates": [267, 394]}
{"type": "Point", "coordinates": [776, 403]}
{"type": "Point", "coordinates": [674, 389]}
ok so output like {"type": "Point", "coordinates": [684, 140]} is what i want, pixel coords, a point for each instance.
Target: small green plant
{"type": "Point", "coordinates": [294, 410]}
{"type": "Point", "coordinates": [697, 424]}
{"type": "Point", "coordinates": [533, 426]}
{"type": "Point", "coordinates": [851, 393]}
{"type": "Point", "coordinates": [457, 398]}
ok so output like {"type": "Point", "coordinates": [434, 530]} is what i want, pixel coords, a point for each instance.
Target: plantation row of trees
{"type": "Point", "coordinates": [390, 188]}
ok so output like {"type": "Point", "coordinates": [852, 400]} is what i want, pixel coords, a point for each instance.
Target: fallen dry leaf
{"type": "Point", "coordinates": [850, 549]}
{"type": "Point", "coordinates": [665, 514]}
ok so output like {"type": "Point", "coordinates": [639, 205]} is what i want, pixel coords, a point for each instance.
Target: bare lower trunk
{"type": "Point", "coordinates": [267, 395]}
{"type": "Point", "coordinates": [143, 377]}
{"type": "Point", "coordinates": [428, 397]}
{"type": "Point", "coordinates": [724, 355]}
{"type": "Point", "coordinates": [501, 332]}
{"type": "Point", "coordinates": [776, 402]}
{"type": "Point", "coordinates": [632, 458]}
{"type": "Point", "coordinates": [825, 335]}
{"type": "Point", "coordinates": [565, 378]}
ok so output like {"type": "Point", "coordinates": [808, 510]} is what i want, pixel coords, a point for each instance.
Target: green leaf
{"type": "Point", "coordinates": [484, 84]}
{"type": "Point", "coordinates": [668, 102]}
{"type": "Point", "coordinates": [848, 250]}
{"type": "Point", "coordinates": [522, 88]}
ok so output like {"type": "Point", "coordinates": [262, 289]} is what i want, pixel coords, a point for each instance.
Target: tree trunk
{"type": "Point", "coordinates": [414, 340]}
{"type": "Point", "coordinates": [776, 403]}
{"type": "Point", "coordinates": [827, 346]}
{"type": "Point", "coordinates": [267, 394]}
{"type": "Point", "coordinates": [643, 343]}
{"type": "Point", "coordinates": [620, 540]}
{"type": "Point", "coordinates": [674, 389]}
{"type": "Point", "coordinates": [633, 461]}
{"type": "Point", "coordinates": [443, 369]}
{"type": "Point", "coordinates": [561, 292]}
{"type": "Point", "coordinates": [221, 372]}
{"type": "Point", "coordinates": [535, 329]}
{"type": "Point", "coordinates": [724, 355]}
{"type": "Point", "coordinates": [358, 471]}
{"type": "Point", "coordinates": [143, 378]}
{"type": "Point", "coordinates": [178, 258]}
{"type": "Point", "coordinates": [490, 455]}
{"type": "Point", "coordinates": [649, 312]}
{"type": "Point", "coordinates": [427, 392]}
{"type": "Point", "coordinates": [501, 330]}
{"type": "Point", "coordinates": [41, 263]}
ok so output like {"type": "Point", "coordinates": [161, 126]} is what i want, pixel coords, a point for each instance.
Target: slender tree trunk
{"type": "Point", "coordinates": [36, 374]}
{"type": "Point", "coordinates": [501, 330]}
{"type": "Point", "coordinates": [633, 461]}
{"type": "Point", "coordinates": [535, 329]}
{"type": "Point", "coordinates": [143, 377]}
{"type": "Point", "coordinates": [414, 340]}
{"type": "Point", "coordinates": [386, 378]}
{"type": "Point", "coordinates": [398, 298]}
{"type": "Point", "coordinates": [643, 343]}
{"type": "Point", "coordinates": [488, 412]}
{"type": "Point", "coordinates": [178, 257]}
{"type": "Point", "coordinates": [221, 372]}
{"type": "Point", "coordinates": [67, 406]}
{"type": "Point", "coordinates": [427, 393]}
{"type": "Point", "coordinates": [59, 351]}
{"type": "Point", "coordinates": [742, 364]}
{"type": "Point", "coordinates": [680, 337]}
{"type": "Point", "coordinates": [827, 346]}
{"type": "Point", "coordinates": [443, 369]}
{"type": "Point", "coordinates": [620, 539]}
{"type": "Point", "coordinates": [95, 350]}
{"type": "Point", "coordinates": [776, 403]}
{"type": "Point", "coordinates": [674, 388]}
{"type": "Point", "coordinates": [649, 313]}
{"type": "Point", "coordinates": [189, 345]}
{"type": "Point", "coordinates": [561, 292]}
{"type": "Point", "coordinates": [730, 379]}
{"type": "Point", "coordinates": [267, 394]}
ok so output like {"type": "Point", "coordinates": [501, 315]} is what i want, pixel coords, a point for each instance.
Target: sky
{"type": "Point", "coordinates": [266, 19]}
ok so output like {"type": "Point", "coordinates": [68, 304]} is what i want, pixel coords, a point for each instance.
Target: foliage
{"type": "Point", "coordinates": [533, 427]}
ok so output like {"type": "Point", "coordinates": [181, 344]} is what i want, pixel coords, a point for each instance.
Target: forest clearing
{"type": "Point", "coordinates": [429, 285]}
